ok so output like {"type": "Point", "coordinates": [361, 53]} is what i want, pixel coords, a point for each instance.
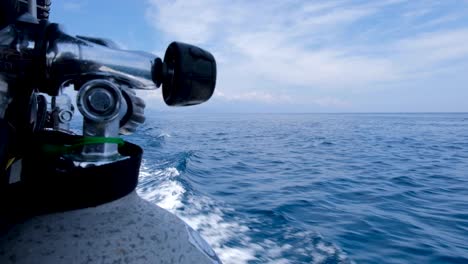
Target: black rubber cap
{"type": "Point", "coordinates": [188, 75]}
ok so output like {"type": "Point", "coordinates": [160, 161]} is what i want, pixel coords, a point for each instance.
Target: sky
{"type": "Point", "coordinates": [300, 56]}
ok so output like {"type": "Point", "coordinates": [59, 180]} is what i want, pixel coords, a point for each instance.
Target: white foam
{"type": "Point", "coordinates": [168, 193]}
{"type": "Point", "coordinates": [209, 219]}
{"type": "Point", "coordinates": [318, 257]}
{"type": "Point", "coordinates": [164, 135]}
{"type": "Point", "coordinates": [216, 230]}
{"type": "Point", "coordinates": [330, 250]}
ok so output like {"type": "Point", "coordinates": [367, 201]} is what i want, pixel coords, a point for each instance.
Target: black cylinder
{"type": "Point", "coordinates": [188, 75]}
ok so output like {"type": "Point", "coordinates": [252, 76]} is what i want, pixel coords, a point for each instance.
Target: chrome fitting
{"type": "Point", "coordinates": [62, 112]}
{"type": "Point", "coordinates": [100, 102]}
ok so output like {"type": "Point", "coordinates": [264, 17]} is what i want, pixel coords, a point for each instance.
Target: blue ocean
{"type": "Point", "coordinates": [314, 188]}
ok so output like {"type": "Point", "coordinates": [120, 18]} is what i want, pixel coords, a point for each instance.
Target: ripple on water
{"type": "Point", "coordinates": [379, 188]}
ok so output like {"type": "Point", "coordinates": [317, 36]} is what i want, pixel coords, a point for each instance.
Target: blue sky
{"type": "Point", "coordinates": [301, 56]}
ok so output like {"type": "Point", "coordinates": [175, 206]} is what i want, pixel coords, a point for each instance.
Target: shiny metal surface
{"type": "Point", "coordinates": [70, 58]}
{"type": "Point", "coordinates": [32, 8]}
{"type": "Point", "coordinates": [100, 102]}
{"type": "Point", "coordinates": [4, 97]}
{"type": "Point", "coordinates": [62, 112]}
{"type": "Point", "coordinates": [136, 106]}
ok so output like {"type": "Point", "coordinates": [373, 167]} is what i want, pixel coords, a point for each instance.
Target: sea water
{"type": "Point", "coordinates": [314, 188]}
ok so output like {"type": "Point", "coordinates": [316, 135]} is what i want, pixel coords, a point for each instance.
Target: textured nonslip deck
{"type": "Point", "coordinates": [128, 230]}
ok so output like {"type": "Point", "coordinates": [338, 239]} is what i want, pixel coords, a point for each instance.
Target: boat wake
{"type": "Point", "coordinates": [235, 240]}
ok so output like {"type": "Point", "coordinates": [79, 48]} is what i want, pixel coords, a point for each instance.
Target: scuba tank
{"type": "Point", "coordinates": [67, 198]}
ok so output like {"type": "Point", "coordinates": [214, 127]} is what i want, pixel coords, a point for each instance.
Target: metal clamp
{"type": "Point", "coordinates": [62, 112]}
{"type": "Point", "coordinates": [100, 102]}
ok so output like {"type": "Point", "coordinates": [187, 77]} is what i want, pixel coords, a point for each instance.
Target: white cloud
{"type": "Point", "coordinates": [275, 45]}
{"type": "Point", "coordinates": [255, 96]}
{"type": "Point", "coordinates": [413, 14]}
{"type": "Point", "coordinates": [192, 21]}
{"type": "Point", "coordinates": [436, 47]}
{"type": "Point", "coordinates": [429, 54]}
{"type": "Point", "coordinates": [73, 5]}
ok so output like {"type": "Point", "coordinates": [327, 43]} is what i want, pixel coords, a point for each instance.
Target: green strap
{"type": "Point", "coordinates": [79, 143]}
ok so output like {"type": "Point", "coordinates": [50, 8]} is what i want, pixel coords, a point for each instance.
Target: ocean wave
{"type": "Point", "coordinates": [304, 188]}
{"type": "Point", "coordinates": [200, 213]}
{"type": "Point", "coordinates": [230, 237]}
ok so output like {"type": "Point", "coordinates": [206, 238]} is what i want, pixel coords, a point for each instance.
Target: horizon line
{"type": "Point", "coordinates": [212, 112]}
